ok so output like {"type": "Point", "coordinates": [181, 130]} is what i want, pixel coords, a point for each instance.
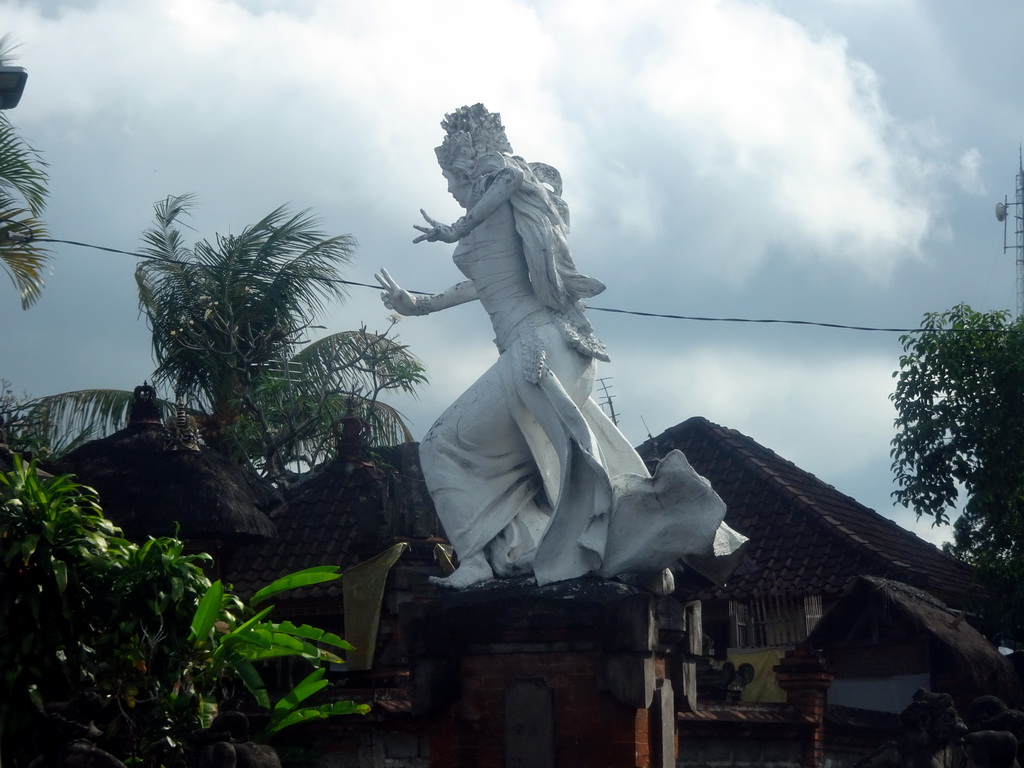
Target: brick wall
{"type": "Point", "coordinates": [590, 728]}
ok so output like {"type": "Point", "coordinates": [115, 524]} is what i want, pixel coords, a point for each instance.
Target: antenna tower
{"type": "Point", "coordinates": [608, 400]}
{"type": "Point", "coordinates": [1018, 228]}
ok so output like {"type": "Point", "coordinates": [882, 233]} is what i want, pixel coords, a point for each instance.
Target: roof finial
{"type": "Point", "coordinates": [181, 433]}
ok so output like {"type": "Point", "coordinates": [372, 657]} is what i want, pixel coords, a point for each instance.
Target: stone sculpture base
{"type": "Point", "coordinates": [575, 673]}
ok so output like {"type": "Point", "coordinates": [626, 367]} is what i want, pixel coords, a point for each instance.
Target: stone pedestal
{"type": "Point", "coordinates": [511, 674]}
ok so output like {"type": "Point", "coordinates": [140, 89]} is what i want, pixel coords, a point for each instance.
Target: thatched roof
{"type": "Point", "coordinates": [955, 647]}
{"type": "Point", "coordinates": [150, 491]}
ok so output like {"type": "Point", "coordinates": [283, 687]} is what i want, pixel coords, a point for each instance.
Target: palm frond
{"type": "Point", "coordinates": [221, 309]}
{"type": "Point", "coordinates": [23, 193]}
{"type": "Point", "coordinates": [68, 419]}
{"type": "Point", "coordinates": [291, 262]}
{"type": "Point", "coordinates": [387, 424]}
{"type": "Point", "coordinates": [25, 261]}
{"type": "Point", "coordinates": [22, 169]}
{"type": "Point", "coordinates": [361, 361]}
{"type": "Point", "coordinates": [228, 316]}
{"type": "Point", "coordinates": [164, 241]}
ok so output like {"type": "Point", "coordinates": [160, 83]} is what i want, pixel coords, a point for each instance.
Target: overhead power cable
{"type": "Point", "coordinates": [637, 313]}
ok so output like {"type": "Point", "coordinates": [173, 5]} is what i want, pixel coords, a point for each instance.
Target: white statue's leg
{"type": "Point", "coordinates": [471, 571]}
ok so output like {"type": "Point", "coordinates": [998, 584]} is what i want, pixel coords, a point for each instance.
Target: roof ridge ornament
{"type": "Point", "coordinates": [181, 433]}
{"type": "Point", "coordinates": [145, 408]}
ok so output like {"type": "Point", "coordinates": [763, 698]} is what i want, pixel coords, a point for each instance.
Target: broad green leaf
{"type": "Point", "coordinates": [60, 572]}
{"type": "Point", "coordinates": [207, 611]}
{"type": "Point", "coordinates": [308, 714]}
{"type": "Point", "coordinates": [309, 685]}
{"type": "Point", "coordinates": [252, 622]}
{"type": "Point", "coordinates": [304, 578]}
{"type": "Point", "coordinates": [315, 634]}
{"type": "Point", "coordinates": [253, 682]}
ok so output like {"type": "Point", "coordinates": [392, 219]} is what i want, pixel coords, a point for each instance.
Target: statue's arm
{"type": "Point", "coordinates": [460, 293]}
{"type": "Point", "coordinates": [404, 303]}
{"type": "Point", "coordinates": [501, 185]}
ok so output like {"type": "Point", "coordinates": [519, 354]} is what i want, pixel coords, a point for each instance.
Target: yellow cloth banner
{"type": "Point", "coordinates": [763, 688]}
{"type": "Point", "coordinates": [363, 592]}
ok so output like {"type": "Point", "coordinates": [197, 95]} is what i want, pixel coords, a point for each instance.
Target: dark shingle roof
{"type": "Point", "coordinates": [350, 511]}
{"type": "Point", "coordinates": [323, 523]}
{"type": "Point", "coordinates": [806, 537]}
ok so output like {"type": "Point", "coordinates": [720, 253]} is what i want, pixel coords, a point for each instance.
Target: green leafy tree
{"type": "Point", "coordinates": [84, 609]}
{"type": "Point", "coordinates": [960, 436]}
{"type": "Point", "coordinates": [229, 320]}
{"type": "Point", "coordinates": [23, 194]}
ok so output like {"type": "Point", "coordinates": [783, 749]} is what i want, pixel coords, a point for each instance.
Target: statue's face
{"type": "Point", "coordinates": [459, 187]}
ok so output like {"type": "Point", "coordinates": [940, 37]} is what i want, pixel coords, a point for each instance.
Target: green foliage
{"type": "Point", "coordinates": [293, 409]}
{"type": "Point", "coordinates": [51, 532]}
{"type": "Point", "coordinates": [229, 319]}
{"type": "Point", "coordinates": [83, 609]}
{"type": "Point", "coordinates": [23, 193]}
{"type": "Point", "coordinates": [241, 300]}
{"type": "Point", "coordinates": [304, 578]}
{"type": "Point", "coordinates": [239, 644]}
{"type": "Point", "coordinates": [960, 429]}
{"type": "Point", "coordinates": [288, 710]}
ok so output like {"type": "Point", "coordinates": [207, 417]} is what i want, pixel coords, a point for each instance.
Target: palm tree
{"type": "Point", "coordinates": [228, 319]}
{"type": "Point", "coordinates": [23, 193]}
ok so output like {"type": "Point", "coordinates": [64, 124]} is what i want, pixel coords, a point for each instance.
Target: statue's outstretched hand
{"type": "Point", "coordinates": [395, 297]}
{"type": "Point", "coordinates": [436, 231]}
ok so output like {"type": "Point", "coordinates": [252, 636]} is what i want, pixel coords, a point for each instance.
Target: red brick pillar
{"type": "Point", "coordinates": [805, 677]}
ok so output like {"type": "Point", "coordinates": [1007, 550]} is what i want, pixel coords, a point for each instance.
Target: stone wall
{"type": "Point", "coordinates": [739, 753]}
{"type": "Point", "coordinates": [368, 749]}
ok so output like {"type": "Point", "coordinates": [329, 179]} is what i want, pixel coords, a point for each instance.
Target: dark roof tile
{"type": "Point", "coordinates": [341, 516]}
{"type": "Point", "coordinates": [803, 530]}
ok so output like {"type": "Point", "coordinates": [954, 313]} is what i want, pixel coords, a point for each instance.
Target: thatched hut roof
{"type": "Point", "coordinates": [150, 489]}
{"type": "Point", "coordinates": [955, 647]}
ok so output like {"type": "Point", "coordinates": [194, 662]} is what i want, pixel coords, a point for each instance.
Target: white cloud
{"type": "Point", "coordinates": [802, 121]}
{"type": "Point", "coordinates": [968, 172]}
{"type": "Point", "coordinates": [841, 400]}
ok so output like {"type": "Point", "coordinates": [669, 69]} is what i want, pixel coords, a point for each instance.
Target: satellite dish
{"type": "Point", "coordinates": [1000, 211]}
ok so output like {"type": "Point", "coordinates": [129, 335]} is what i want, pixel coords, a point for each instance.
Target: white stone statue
{"type": "Point", "coordinates": [527, 473]}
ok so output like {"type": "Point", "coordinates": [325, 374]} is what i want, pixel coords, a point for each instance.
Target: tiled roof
{"type": "Point", "coordinates": [350, 511]}
{"type": "Point", "coordinates": [324, 523]}
{"type": "Point", "coordinates": [806, 537]}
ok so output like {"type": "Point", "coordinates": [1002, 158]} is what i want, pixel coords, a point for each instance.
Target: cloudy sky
{"type": "Point", "coordinates": [834, 161]}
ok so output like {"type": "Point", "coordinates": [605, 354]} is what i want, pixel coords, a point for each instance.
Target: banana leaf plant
{"type": "Point", "coordinates": [82, 608]}
{"type": "Point", "coordinates": [230, 644]}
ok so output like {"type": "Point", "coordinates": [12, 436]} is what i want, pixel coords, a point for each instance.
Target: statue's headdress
{"type": "Point", "coordinates": [472, 132]}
